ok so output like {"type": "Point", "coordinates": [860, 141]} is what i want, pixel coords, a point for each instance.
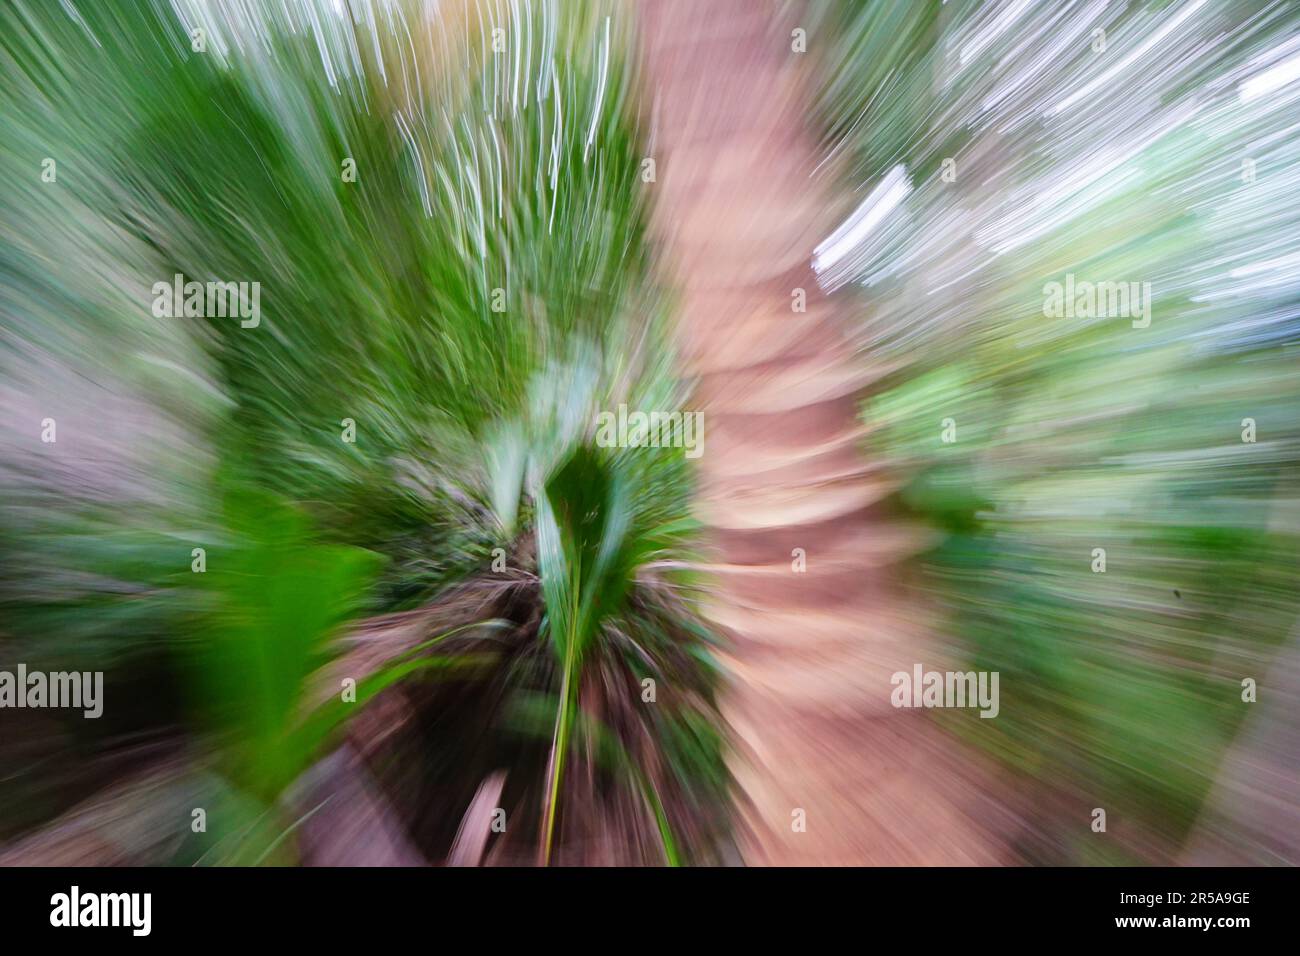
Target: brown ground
{"type": "Point", "coordinates": [737, 216]}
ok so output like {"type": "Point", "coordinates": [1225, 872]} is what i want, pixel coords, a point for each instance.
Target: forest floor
{"type": "Point", "coordinates": [784, 479]}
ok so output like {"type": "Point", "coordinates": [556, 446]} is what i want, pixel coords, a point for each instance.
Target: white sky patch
{"type": "Point", "coordinates": [1141, 50]}
{"type": "Point", "coordinates": [416, 160]}
{"type": "Point", "coordinates": [1284, 271]}
{"type": "Point", "coordinates": [1043, 51]}
{"type": "Point", "coordinates": [977, 44]}
{"type": "Point", "coordinates": [1274, 78]}
{"type": "Point", "coordinates": [883, 200]}
{"type": "Point", "coordinates": [600, 94]}
{"type": "Point", "coordinates": [555, 149]}
{"type": "Point", "coordinates": [1075, 190]}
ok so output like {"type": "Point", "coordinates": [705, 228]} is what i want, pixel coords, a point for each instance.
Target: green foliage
{"type": "Point", "coordinates": [1076, 433]}
{"type": "Point", "coordinates": [585, 572]}
{"type": "Point", "coordinates": [276, 598]}
{"type": "Point", "coordinates": [476, 172]}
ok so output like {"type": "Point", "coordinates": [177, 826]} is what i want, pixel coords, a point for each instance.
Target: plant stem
{"type": "Point", "coordinates": [559, 747]}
